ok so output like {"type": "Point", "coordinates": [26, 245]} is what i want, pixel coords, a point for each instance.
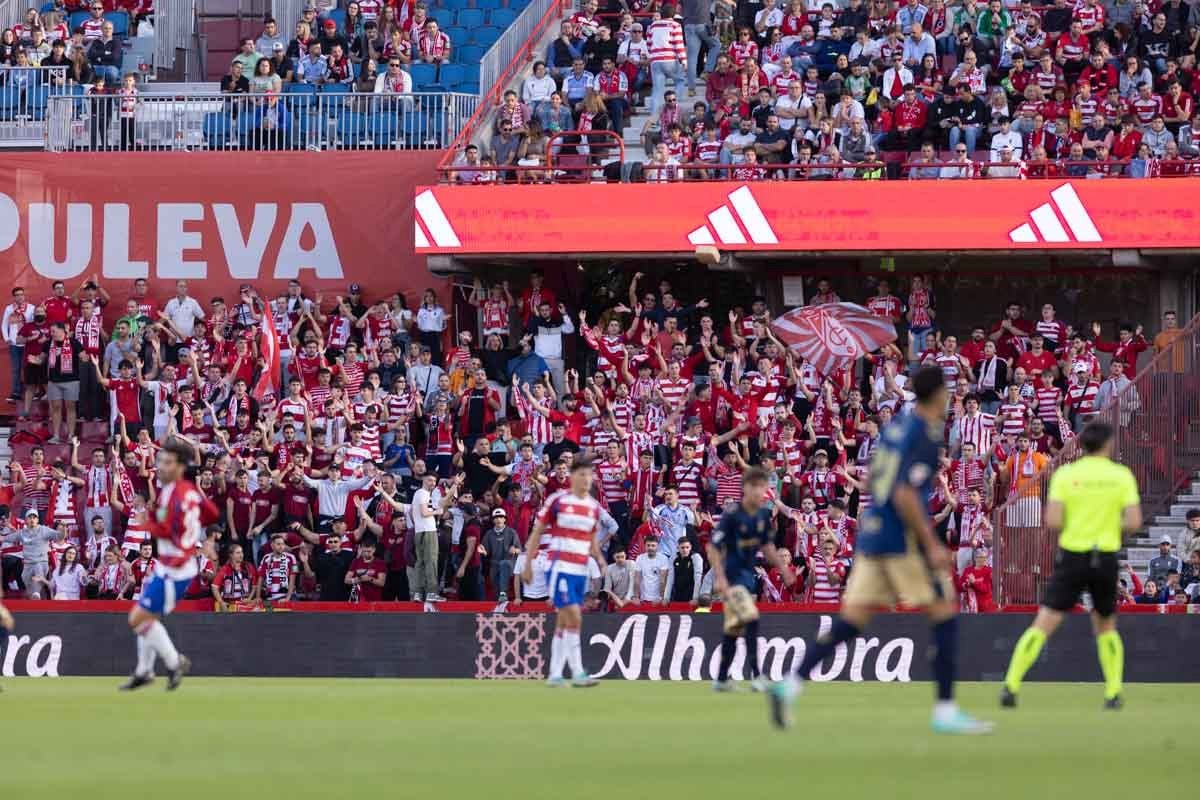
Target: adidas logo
{"type": "Point", "coordinates": [1046, 221]}
{"type": "Point", "coordinates": [428, 216]}
{"type": "Point", "coordinates": [724, 221]}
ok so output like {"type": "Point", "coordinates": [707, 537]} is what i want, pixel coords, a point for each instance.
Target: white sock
{"type": "Point", "coordinates": [145, 657]}
{"type": "Point", "coordinates": [160, 642]}
{"type": "Point", "coordinates": [558, 654]}
{"type": "Point", "coordinates": [574, 653]}
{"type": "Point", "coordinates": [944, 708]}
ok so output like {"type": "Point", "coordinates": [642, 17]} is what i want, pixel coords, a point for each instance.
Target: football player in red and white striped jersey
{"type": "Point", "coordinates": [571, 519]}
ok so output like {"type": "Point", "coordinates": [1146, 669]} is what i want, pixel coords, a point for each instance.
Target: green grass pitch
{"type": "Point", "coordinates": [280, 739]}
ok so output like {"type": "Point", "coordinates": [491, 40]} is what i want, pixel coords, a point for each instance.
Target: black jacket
{"type": "Point", "coordinates": [331, 569]}
{"type": "Point", "coordinates": [105, 54]}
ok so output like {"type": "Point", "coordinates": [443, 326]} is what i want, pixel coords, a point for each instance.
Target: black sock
{"type": "Point", "coordinates": [751, 635]}
{"type": "Point", "coordinates": [945, 657]}
{"type": "Point", "coordinates": [841, 631]}
{"type": "Point", "coordinates": [728, 648]}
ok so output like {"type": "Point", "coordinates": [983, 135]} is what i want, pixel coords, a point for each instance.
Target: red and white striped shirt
{"type": "Point", "coordinates": [686, 479]}
{"type": "Point", "coordinates": [918, 306]}
{"type": "Point", "coordinates": [1146, 108]}
{"type": "Point", "coordinates": [729, 483]}
{"type": "Point", "coordinates": [1047, 400]}
{"type": "Point", "coordinates": [643, 483]}
{"type": "Point", "coordinates": [741, 52]}
{"type": "Point", "coordinates": [673, 391]}
{"type": "Point", "coordinates": [537, 423]}
{"type": "Point", "coordinates": [570, 523]}
{"type": "Point", "coordinates": [665, 37]}
{"type": "Point", "coordinates": [823, 589]}
{"type": "Point", "coordinates": [495, 317]}
{"type": "Point", "coordinates": [820, 485]}
{"type": "Point", "coordinates": [612, 481]}
{"type": "Point", "coordinates": [966, 475]}
{"type": "Point", "coordinates": [977, 430]}
{"type": "Point", "coordinates": [435, 46]}
{"type": "Point", "coordinates": [369, 9]}
{"type": "Point", "coordinates": [1015, 416]}
{"type": "Point", "coordinates": [1082, 399]}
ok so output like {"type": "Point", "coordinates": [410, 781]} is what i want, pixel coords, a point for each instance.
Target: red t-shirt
{"type": "Point", "coordinates": [1036, 365]}
{"type": "Point", "coordinates": [243, 501]}
{"type": "Point", "coordinates": [368, 592]}
{"type": "Point", "coordinates": [128, 395]}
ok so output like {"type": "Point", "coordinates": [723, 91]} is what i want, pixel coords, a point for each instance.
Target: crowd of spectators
{"type": "Point", "coordinates": [878, 88]}
{"type": "Point", "coordinates": [387, 460]}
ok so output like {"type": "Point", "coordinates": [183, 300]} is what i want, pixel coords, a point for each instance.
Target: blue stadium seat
{"type": "Point", "coordinates": [469, 18]}
{"type": "Point", "coordinates": [216, 128]}
{"type": "Point", "coordinates": [338, 15]}
{"type": "Point", "coordinates": [457, 35]}
{"type": "Point", "coordinates": [36, 100]}
{"type": "Point", "coordinates": [422, 75]}
{"type": "Point", "coordinates": [453, 5]}
{"type": "Point", "coordinates": [299, 88]}
{"type": "Point", "coordinates": [486, 37]}
{"type": "Point", "coordinates": [47, 6]}
{"type": "Point", "coordinates": [488, 4]}
{"type": "Point", "coordinates": [76, 19]}
{"type": "Point", "coordinates": [470, 87]}
{"type": "Point", "coordinates": [518, 5]}
{"type": "Point", "coordinates": [470, 73]}
{"type": "Point", "coordinates": [335, 88]}
{"type": "Point", "coordinates": [383, 129]}
{"type": "Point", "coordinates": [469, 54]}
{"type": "Point", "coordinates": [452, 75]}
{"type": "Point", "coordinates": [502, 17]}
{"type": "Point", "coordinates": [350, 127]}
{"type": "Point", "coordinates": [120, 21]}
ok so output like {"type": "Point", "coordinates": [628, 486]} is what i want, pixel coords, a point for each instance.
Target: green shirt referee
{"type": "Point", "coordinates": [1091, 502]}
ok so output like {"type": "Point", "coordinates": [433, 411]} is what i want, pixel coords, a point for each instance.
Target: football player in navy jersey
{"type": "Point", "coordinates": [899, 556]}
{"type": "Point", "coordinates": [732, 552]}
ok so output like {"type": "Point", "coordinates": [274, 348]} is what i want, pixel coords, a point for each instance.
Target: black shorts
{"type": "Point", "coordinates": [1074, 573]}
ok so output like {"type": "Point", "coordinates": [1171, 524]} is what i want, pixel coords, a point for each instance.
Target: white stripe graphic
{"type": "Point", "coordinates": [752, 217]}
{"type": "Point", "coordinates": [419, 235]}
{"type": "Point", "coordinates": [702, 235]}
{"type": "Point", "coordinates": [1023, 234]}
{"type": "Point", "coordinates": [1078, 220]}
{"type": "Point", "coordinates": [435, 220]}
{"type": "Point", "coordinates": [1046, 221]}
{"type": "Point", "coordinates": [727, 229]}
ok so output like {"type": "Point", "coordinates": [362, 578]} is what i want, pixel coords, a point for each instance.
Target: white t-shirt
{"type": "Point", "coordinates": [651, 571]}
{"type": "Point", "coordinates": [421, 524]}
{"type": "Point", "coordinates": [539, 587]}
{"type": "Point", "coordinates": [184, 313]}
{"type": "Point", "coordinates": [786, 102]}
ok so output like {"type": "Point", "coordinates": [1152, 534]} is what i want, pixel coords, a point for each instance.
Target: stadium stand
{"type": "Point", "coordinates": [494, 394]}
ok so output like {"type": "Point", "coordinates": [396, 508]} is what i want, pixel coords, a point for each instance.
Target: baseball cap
{"type": "Point", "coordinates": [355, 288]}
{"type": "Point", "coordinates": [31, 513]}
{"type": "Point", "coordinates": [277, 47]}
{"type": "Point", "coordinates": [822, 452]}
{"type": "Point", "coordinates": [330, 23]}
{"type": "Point", "coordinates": [1166, 539]}
{"type": "Point", "coordinates": [499, 512]}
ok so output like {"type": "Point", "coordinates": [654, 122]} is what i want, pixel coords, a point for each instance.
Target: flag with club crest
{"type": "Point", "coordinates": [833, 335]}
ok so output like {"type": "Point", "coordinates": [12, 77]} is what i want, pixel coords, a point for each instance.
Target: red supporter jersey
{"type": "Point", "coordinates": [274, 570]}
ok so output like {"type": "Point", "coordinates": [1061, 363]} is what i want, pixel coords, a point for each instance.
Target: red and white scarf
{"type": "Point", "coordinates": [62, 353]}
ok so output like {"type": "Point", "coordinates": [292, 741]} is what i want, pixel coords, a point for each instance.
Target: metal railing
{"type": "Point", "coordinates": [490, 98]}
{"type": "Point", "coordinates": [174, 30]}
{"type": "Point", "coordinates": [1052, 169]}
{"type": "Point", "coordinates": [292, 121]}
{"type": "Point", "coordinates": [1157, 420]}
{"type": "Point", "coordinates": [567, 169]}
{"type": "Point", "coordinates": [25, 94]}
{"type": "Point", "coordinates": [517, 40]}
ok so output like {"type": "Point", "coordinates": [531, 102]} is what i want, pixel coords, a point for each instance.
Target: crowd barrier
{"type": "Point", "coordinates": [635, 646]}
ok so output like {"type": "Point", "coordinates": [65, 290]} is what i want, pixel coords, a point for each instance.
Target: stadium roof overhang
{"type": "Point", "coordinates": [1123, 223]}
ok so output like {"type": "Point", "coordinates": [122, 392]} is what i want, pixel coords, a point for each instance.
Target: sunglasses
{"type": "Point", "coordinates": [961, 150]}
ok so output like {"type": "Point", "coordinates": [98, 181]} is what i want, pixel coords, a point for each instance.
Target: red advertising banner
{"type": "Point", "coordinates": [809, 216]}
{"type": "Point", "coordinates": [216, 219]}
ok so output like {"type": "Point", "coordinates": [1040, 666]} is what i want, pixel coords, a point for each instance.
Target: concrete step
{"type": "Point", "coordinates": [1180, 510]}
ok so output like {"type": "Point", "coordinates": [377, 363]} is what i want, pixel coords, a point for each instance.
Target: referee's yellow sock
{"type": "Point", "coordinates": [1112, 662]}
{"type": "Point", "coordinates": [1023, 657]}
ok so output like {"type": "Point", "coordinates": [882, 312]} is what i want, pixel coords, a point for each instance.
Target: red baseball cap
{"type": "Point", "coordinates": [330, 23]}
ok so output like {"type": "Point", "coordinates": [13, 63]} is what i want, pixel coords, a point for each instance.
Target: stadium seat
{"type": "Point", "coordinates": [470, 73]}
{"type": "Point", "coordinates": [36, 100]}
{"type": "Point", "coordinates": [338, 15]}
{"type": "Point", "coordinates": [502, 17]}
{"type": "Point", "coordinates": [383, 129]}
{"type": "Point", "coordinates": [470, 87]}
{"type": "Point", "coordinates": [488, 4]}
{"type": "Point", "coordinates": [423, 75]}
{"type": "Point", "coordinates": [469, 54]}
{"type": "Point", "coordinates": [452, 75]}
{"type": "Point", "coordinates": [299, 88]}
{"type": "Point", "coordinates": [335, 88]}
{"type": "Point", "coordinates": [453, 5]}
{"type": "Point", "coordinates": [46, 7]}
{"type": "Point", "coordinates": [216, 128]}
{"type": "Point", "coordinates": [76, 19]}
{"type": "Point", "coordinates": [518, 5]}
{"type": "Point", "coordinates": [469, 18]}
{"type": "Point", "coordinates": [120, 21]}
{"type": "Point", "coordinates": [350, 127]}
{"type": "Point", "coordinates": [486, 37]}
{"type": "Point", "coordinates": [458, 35]}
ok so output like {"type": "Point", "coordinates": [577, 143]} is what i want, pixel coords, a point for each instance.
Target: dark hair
{"type": "Point", "coordinates": [926, 382]}
{"type": "Point", "coordinates": [178, 448]}
{"type": "Point", "coordinates": [1094, 436]}
{"type": "Point", "coordinates": [754, 475]}
{"type": "Point", "coordinates": [583, 462]}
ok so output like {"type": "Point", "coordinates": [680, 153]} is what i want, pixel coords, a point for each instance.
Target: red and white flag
{"type": "Point", "coordinates": [268, 381]}
{"type": "Point", "coordinates": [832, 335]}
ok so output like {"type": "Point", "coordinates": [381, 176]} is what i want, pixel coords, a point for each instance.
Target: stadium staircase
{"type": "Point", "coordinates": [1141, 549]}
